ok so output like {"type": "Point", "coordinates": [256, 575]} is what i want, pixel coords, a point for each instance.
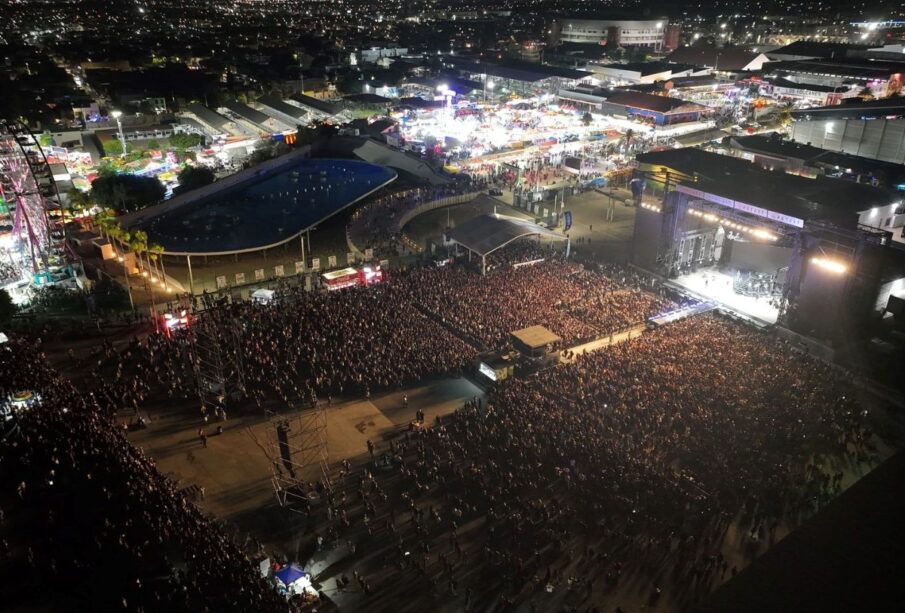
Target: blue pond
{"type": "Point", "coordinates": [265, 211]}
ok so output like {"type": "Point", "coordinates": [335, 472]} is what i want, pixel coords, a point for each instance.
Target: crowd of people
{"type": "Point", "coordinates": [634, 460]}
{"type": "Point", "coordinates": [419, 323]}
{"type": "Point", "coordinates": [575, 303]}
{"type": "Point", "coordinates": [630, 459]}
{"type": "Point", "coordinates": [90, 520]}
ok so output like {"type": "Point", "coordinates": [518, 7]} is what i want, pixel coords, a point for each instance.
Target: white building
{"type": "Point", "coordinates": [625, 33]}
{"type": "Point", "coordinates": [375, 54]}
{"type": "Point", "coordinates": [639, 72]}
{"type": "Point", "coordinates": [890, 218]}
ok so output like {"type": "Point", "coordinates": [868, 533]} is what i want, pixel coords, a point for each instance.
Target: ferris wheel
{"type": "Point", "coordinates": [32, 239]}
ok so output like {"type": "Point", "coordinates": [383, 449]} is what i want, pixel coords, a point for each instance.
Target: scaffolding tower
{"type": "Point", "coordinates": [297, 451]}
{"type": "Point", "coordinates": [217, 360]}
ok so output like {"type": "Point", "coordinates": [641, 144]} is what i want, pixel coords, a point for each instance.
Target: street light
{"type": "Point", "coordinates": [122, 137]}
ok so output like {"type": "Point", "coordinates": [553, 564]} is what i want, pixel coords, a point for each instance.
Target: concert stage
{"type": "Point", "coordinates": [711, 284]}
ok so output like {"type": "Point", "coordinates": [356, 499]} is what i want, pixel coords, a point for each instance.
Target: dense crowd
{"type": "Point", "coordinates": [575, 303]}
{"type": "Point", "coordinates": [90, 519]}
{"type": "Point", "coordinates": [343, 342]}
{"type": "Point", "coordinates": [632, 460]}
{"type": "Point", "coordinates": [418, 324]}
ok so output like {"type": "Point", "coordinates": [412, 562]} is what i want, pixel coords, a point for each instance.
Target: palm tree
{"type": "Point", "coordinates": [124, 238]}
{"type": "Point", "coordinates": [138, 245]}
{"type": "Point", "coordinates": [116, 233]}
{"type": "Point", "coordinates": [105, 219]}
{"type": "Point", "coordinates": [157, 254]}
{"type": "Point", "coordinates": [145, 247]}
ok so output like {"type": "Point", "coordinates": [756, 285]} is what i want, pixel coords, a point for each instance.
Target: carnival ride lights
{"type": "Point", "coordinates": [755, 232]}
{"type": "Point", "coordinates": [27, 191]}
{"type": "Point", "coordinates": [830, 265]}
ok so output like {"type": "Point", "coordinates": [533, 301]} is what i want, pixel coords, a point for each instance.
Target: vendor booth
{"type": "Point", "coordinates": [291, 580]}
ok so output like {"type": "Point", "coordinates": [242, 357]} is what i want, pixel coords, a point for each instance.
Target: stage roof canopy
{"type": "Point", "coordinates": [536, 337]}
{"type": "Point", "coordinates": [485, 234]}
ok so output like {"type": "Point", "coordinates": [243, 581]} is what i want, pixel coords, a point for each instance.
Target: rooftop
{"type": "Point", "coordinates": [817, 49]}
{"type": "Point", "coordinates": [811, 87]}
{"type": "Point", "coordinates": [536, 337]}
{"type": "Point", "coordinates": [856, 109]}
{"type": "Point", "coordinates": [651, 102]}
{"type": "Point", "coordinates": [773, 144]}
{"type": "Point", "coordinates": [323, 106]}
{"type": "Point", "coordinates": [528, 72]}
{"type": "Point", "coordinates": [821, 199]}
{"type": "Point", "coordinates": [246, 112]}
{"type": "Point", "coordinates": [862, 69]}
{"type": "Point", "coordinates": [645, 68]}
{"type": "Point", "coordinates": [485, 234]}
{"type": "Point", "coordinates": [723, 58]}
{"type": "Point", "coordinates": [206, 115]}
{"type": "Point", "coordinates": [278, 105]}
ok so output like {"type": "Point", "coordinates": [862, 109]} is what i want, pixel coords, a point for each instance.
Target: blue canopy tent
{"type": "Point", "coordinates": [290, 574]}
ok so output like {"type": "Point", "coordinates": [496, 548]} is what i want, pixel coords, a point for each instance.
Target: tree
{"type": "Point", "coordinates": [156, 252]}
{"type": "Point", "coordinates": [78, 199]}
{"type": "Point", "coordinates": [315, 132]}
{"type": "Point", "coordinates": [126, 193]}
{"type": "Point", "coordinates": [114, 148]}
{"type": "Point", "coordinates": [193, 177]}
{"type": "Point", "coordinates": [186, 141]}
{"type": "Point", "coordinates": [587, 119]}
{"type": "Point", "coordinates": [139, 245]}
{"type": "Point", "coordinates": [784, 117]}
{"type": "Point", "coordinates": [153, 144]}
{"type": "Point", "coordinates": [7, 308]}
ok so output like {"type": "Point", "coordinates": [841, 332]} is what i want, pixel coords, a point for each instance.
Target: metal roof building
{"type": "Point", "coordinates": [254, 118]}
{"type": "Point", "coordinates": [873, 129]}
{"type": "Point", "coordinates": [280, 110]}
{"type": "Point", "coordinates": [484, 234]}
{"type": "Point", "coordinates": [212, 122]}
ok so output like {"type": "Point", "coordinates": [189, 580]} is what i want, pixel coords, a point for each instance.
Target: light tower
{"type": "Point", "coordinates": [117, 115]}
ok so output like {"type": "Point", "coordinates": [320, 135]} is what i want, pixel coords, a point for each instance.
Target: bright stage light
{"type": "Point", "coordinates": [763, 234]}
{"type": "Point", "coordinates": [830, 265]}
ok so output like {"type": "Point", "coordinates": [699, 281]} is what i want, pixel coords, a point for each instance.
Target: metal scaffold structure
{"type": "Point", "coordinates": [297, 451]}
{"type": "Point", "coordinates": [217, 361]}
{"type": "Point", "coordinates": [32, 239]}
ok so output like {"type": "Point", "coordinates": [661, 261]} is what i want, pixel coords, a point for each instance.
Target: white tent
{"type": "Point", "coordinates": [262, 296]}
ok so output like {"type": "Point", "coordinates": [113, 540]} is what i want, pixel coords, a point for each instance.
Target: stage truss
{"type": "Point", "coordinates": [298, 455]}
{"type": "Point", "coordinates": [217, 360]}
{"type": "Point", "coordinates": [28, 194]}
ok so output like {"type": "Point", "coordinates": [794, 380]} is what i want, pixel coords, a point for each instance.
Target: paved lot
{"type": "Point", "coordinates": [234, 468]}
